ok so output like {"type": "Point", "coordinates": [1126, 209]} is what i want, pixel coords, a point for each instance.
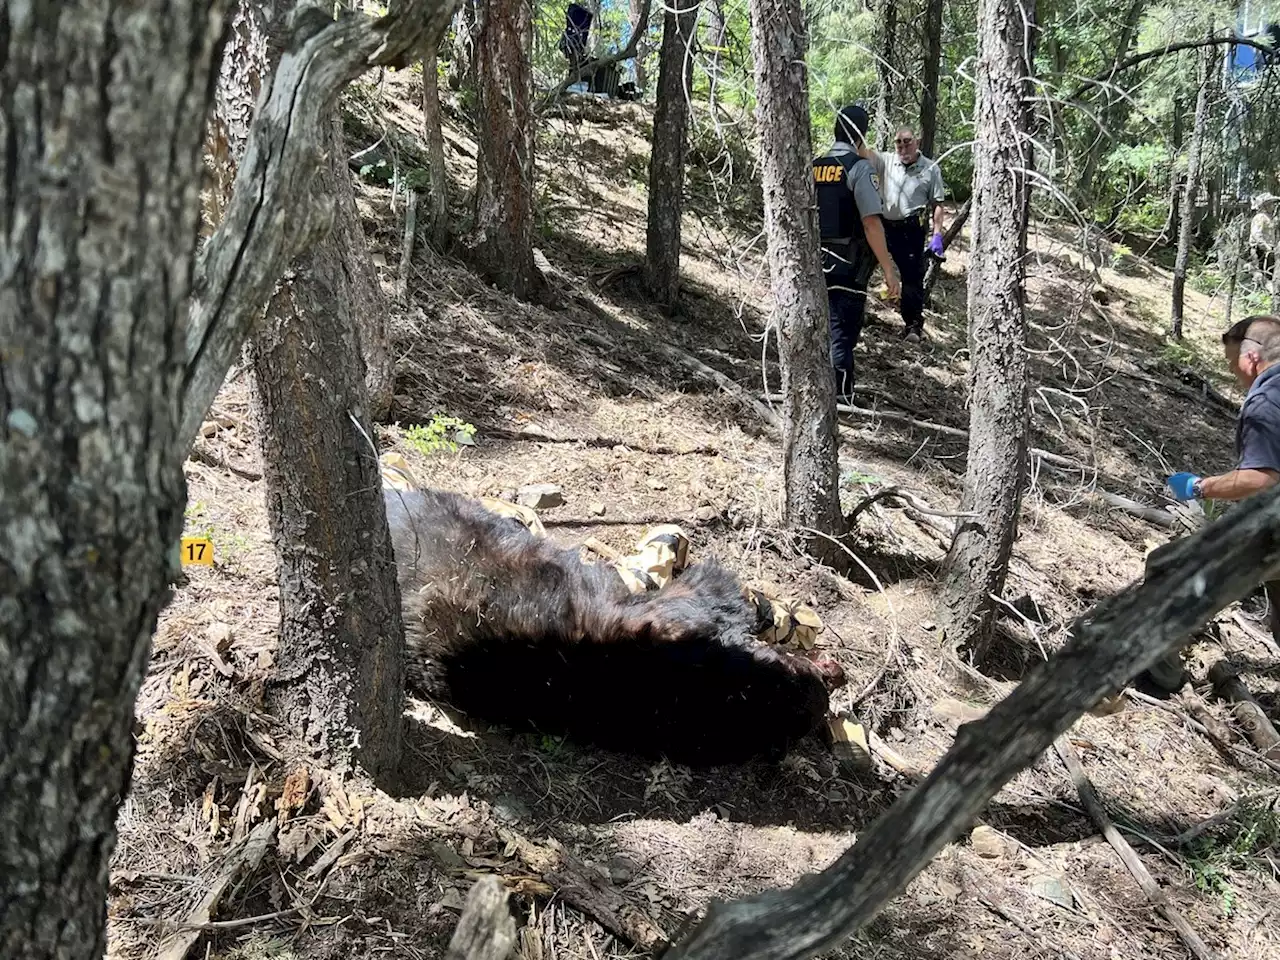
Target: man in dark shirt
{"type": "Point", "coordinates": [1252, 348]}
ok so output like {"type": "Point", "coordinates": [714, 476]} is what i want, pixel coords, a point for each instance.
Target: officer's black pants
{"type": "Point", "coordinates": [905, 239]}
{"type": "Point", "coordinates": [847, 310]}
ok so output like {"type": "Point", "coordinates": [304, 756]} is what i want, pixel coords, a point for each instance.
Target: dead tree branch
{"type": "Point", "coordinates": [1187, 582]}
{"type": "Point", "coordinates": [588, 70]}
{"type": "Point", "coordinates": [1139, 58]}
{"type": "Point", "coordinates": [272, 216]}
{"type": "Point", "coordinates": [1089, 797]}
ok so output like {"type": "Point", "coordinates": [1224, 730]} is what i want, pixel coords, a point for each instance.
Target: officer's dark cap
{"type": "Point", "coordinates": [852, 123]}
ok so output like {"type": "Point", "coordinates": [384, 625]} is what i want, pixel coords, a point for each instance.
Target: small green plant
{"type": "Point", "coordinates": [1178, 353]}
{"type": "Point", "coordinates": [441, 434]}
{"type": "Point", "coordinates": [1210, 860]}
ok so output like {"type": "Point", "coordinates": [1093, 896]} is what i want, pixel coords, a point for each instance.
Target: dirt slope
{"type": "Point", "coordinates": [594, 373]}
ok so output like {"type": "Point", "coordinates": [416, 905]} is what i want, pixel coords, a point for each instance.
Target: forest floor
{"type": "Point", "coordinates": [602, 850]}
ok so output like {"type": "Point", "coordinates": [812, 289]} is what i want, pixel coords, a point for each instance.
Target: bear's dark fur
{"type": "Point", "coordinates": [510, 628]}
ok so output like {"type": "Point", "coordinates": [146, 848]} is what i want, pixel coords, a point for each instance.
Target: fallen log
{"type": "Point", "coordinates": [1252, 718]}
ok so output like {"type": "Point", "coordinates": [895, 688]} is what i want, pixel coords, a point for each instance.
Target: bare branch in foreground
{"type": "Point", "coordinates": [1138, 58]}
{"type": "Point", "coordinates": [1187, 582]}
{"type": "Point", "coordinates": [272, 216]}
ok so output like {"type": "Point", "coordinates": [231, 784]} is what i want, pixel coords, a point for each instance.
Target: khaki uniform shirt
{"type": "Point", "coordinates": [907, 189]}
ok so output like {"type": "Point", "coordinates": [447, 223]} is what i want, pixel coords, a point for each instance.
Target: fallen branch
{"type": "Point", "coordinates": [1187, 582]}
{"type": "Point", "coordinates": [1251, 717]}
{"type": "Point", "coordinates": [1151, 514]}
{"type": "Point", "coordinates": [273, 216]}
{"type": "Point", "coordinates": [1199, 720]}
{"type": "Point", "coordinates": [1089, 797]}
{"type": "Point", "coordinates": [210, 459]}
{"type": "Point", "coordinates": [642, 520]}
{"type": "Point", "coordinates": [586, 890]}
{"type": "Point", "coordinates": [695, 366]}
{"type": "Point", "coordinates": [242, 860]}
{"type": "Point", "coordinates": [589, 69]}
{"type": "Point", "coordinates": [601, 442]}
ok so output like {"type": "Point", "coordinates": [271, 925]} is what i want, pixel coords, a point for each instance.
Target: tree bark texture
{"type": "Point", "coordinates": [810, 469]}
{"type": "Point", "coordinates": [433, 133]}
{"type": "Point", "coordinates": [339, 668]}
{"type": "Point", "coordinates": [364, 298]}
{"type": "Point", "coordinates": [102, 114]}
{"type": "Point", "coordinates": [931, 70]}
{"type": "Point", "coordinates": [237, 269]}
{"type": "Point", "coordinates": [107, 368]}
{"type": "Point", "coordinates": [639, 12]}
{"type": "Point", "coordinates": [1186, 584]}
{"type": "Point", "coordinates": [886, 69]}
{"type": "Point", "coordinates": [504, 174]}
{"type": "Point", "coordinates": [978, 560]}
{"type": "Point", "coordinates": [1190, 189]}
{"type": "Point", "coordinates": [666, 159]}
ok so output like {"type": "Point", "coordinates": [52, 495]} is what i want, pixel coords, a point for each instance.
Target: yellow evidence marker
{"type": "Point", "coordinates": [197, 551]}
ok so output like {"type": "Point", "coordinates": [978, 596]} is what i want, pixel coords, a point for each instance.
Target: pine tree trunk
{"type": "Point", "coordinates": [363, 298]}
{"type": "Point", "coordinates": [1115, 113]}
{"type": "Point", "coordinates": [810, 469]}
{"type": "Point", "coordinates": [886, 61]}
{"type": "Point", "coordinates": [102, 109]}
{"type": "Point", "coordinates": [978, 561]}
{"type": "Point", "coordinates": [930, 73]}
{"type": "Point", "coordinates": [339, 668]}
{"type": "Point", "coordinates": [433, 133]}
{"type": "Point", "coordinates": [717, 35]}
{"type": "Point", "coordinates": [1190, 188]}
{"type": "Point", "coordinates": [504, 172]}
{"type": "Point", "coordinates": [666, 160]}
{"type": "Point", "coordinates": [637, 9]}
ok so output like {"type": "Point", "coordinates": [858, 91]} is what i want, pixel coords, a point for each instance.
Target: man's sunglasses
{"type": "Point", "coordinates": [905, 143]}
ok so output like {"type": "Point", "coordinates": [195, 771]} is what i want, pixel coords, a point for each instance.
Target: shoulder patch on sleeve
{"type": "Point", "coordinates": [875, 180]}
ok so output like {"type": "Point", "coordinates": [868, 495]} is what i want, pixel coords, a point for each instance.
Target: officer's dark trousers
{"type": "Point", "coordinates": [905, 239]}
{"type": "Point", "coordinates": [847, 310]}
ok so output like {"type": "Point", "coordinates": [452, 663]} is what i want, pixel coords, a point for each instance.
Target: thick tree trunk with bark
{"type": "Point", "coordinates": [114, 346]}
{"type": "Point", "coordinates": [666, 159]}
{"type": "Point", "coordinates": [978, 561]}
{"type": "Point", "coordinates": [931, 71]}
{"type": "Point", "coordinates": [433, 133]}
{"type": "Point", "coordinates": [504, 174]}
{"type": "Point", "coordinates": [811, 468]}
{"type": "Point", "coordinates": [886, 64]}
{"type": "Point", "coordinates": [1190, 188]}
{"type": "Point", "coordinates": [102, 108]}
{"type": "Point", "coordinates": [363, 297]}
{"type": "Point", "coordinates": [339, 676]}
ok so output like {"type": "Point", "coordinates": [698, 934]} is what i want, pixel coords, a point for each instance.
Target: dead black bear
{"type": "Point", "coordinates": [511, 628]}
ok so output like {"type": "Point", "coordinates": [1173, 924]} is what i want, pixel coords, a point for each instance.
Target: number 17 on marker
{"type": "Point", "coordinates": [197, 551]}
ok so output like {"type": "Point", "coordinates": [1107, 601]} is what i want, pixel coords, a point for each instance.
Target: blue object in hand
{"type": "Point", "coordinates": [1183, 485]}
{"type": "Point", "coordinates": [935, 244]}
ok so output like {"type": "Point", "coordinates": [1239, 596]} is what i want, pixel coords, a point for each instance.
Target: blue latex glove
{"type": "Point", "coordinates": [935, 245]}
{"type": "Point", "coordinates": [1181, 484]}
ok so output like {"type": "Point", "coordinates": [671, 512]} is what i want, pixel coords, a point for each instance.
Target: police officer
{"type": "Point", "coordinates": [852, 237]}
{"type": "Point", "coordinates": [912, 190]}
